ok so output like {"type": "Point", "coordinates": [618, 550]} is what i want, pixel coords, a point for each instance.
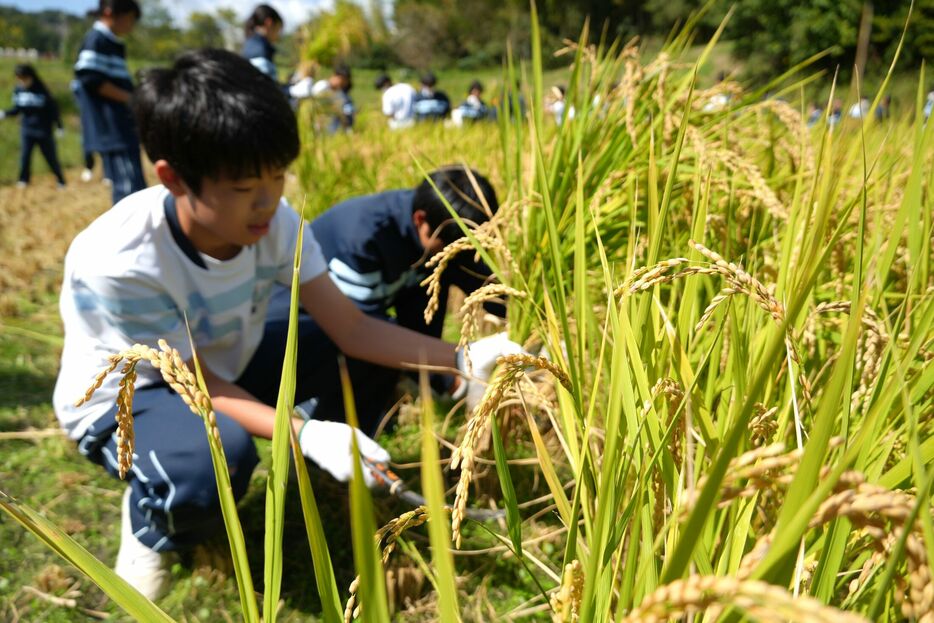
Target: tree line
{"type": "Point", "coordinates": [769, 35]}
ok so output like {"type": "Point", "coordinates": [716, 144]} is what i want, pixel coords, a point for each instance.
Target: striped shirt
{"type": "Point", "coordinates": [38, 109]}
{"type": "Point", "coordinates": [261, 53]}
{"type": "Point", "coordinates": [376, 258]}
{"type": "Point", "coordinates": [108, 125]}
{"type": "Point", "coordinates": [129, 278]}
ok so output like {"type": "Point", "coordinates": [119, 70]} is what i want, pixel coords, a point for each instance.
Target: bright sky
{"type": "Point", "coordinates": [294, 12]}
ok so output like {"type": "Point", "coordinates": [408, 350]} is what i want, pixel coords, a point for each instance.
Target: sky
{"type": "Point", "coordinates": [294, 12]}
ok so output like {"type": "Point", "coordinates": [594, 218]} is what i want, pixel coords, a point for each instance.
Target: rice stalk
{"type": "Point", "coordinates": [176, 374]}
{"type": "Point", "coordinates": [510, 369]}
{"type": "Point", "coordinates": [761, 601]}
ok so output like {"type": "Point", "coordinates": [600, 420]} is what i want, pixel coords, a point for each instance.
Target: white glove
{"type": "Point", "coordinates": [481, 357]}
{"type": "Point", "coordinates": [328, 444]}
{"type": "Point", "coordinates": [59, 132]}
{"type": "Point", "coordinates": [2, 114]}
{"type": "Point", "coordinates": [302, 88]}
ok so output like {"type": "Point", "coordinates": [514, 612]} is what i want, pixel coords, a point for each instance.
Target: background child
{"type": "Point", "coordinates": [398, 102]}
{"type": "Point", "coordinates": [431, 104]}
{"type": "Point", "coordinates": [473, 108]}
{"type": "Point", "coordinates": [208, 245]}
{"type": "Point", "coordinates": [104, 94]}
{"type": "Point", "coordinates": [32, 100]}
{"type": "Point", "coordinates": [263, 28]}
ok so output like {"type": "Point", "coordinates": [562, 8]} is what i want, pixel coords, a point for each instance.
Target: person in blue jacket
{"type": "Point", "coordinates": [376, 247]}
{"type": "Point", "coordinates": [431, 104]}
{"type": "Point", "coordinates": [263, 28]}
{"type": "Point", "coordinates": [104, 89]}
{"type": "Point", "coordinates": [33, 102]}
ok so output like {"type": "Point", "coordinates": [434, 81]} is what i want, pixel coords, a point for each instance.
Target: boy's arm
{"type": "Point", "coordinates": [113, 92]}
{"type": "Point", "coordinates": [367, 338]}
{"type": "Point", "coordinates": [232, 400]}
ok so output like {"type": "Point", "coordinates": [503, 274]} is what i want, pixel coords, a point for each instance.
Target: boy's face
{"type": "Point", "coordinates": [121, 24]}
{"type": "Point", "coordinates": [228, 214]}
{"type": "Point", "coordinates": [430, 243]}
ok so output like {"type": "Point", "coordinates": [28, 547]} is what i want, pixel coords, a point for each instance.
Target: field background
{"type": "Point", "coordinates": [42, 469]}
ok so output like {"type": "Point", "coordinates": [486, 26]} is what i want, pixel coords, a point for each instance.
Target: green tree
{"type": "Point", "coordinates": [771, 35]}
{"type": "Point", "coordinates": [155, 36]}
{"type": "Point", "coordinates": [204, 30]}
{"type": "Point", "coordinates": [343, 33]}
{"type": "Point", "coordinates": [919, 40]}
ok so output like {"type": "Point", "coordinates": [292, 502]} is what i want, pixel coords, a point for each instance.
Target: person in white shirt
{"type": "Point", "coordinates": [398, 102]}
{"type": "Point", "coordinates": [332, 94]}
{"type": "Point", "coordinates": [204, 250]}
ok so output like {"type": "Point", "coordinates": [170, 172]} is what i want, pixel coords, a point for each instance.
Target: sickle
{"type": "Point", "coordinates": [397, 487]}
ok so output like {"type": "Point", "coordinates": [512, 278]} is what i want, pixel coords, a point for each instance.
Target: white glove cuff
{"type": "Point", "coordinates": [461, 390]}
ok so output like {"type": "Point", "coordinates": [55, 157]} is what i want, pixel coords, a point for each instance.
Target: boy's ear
{"type": "Point", "coordinates": [419, 217]}
{"type": "Point", "coordinates": [169, 178]}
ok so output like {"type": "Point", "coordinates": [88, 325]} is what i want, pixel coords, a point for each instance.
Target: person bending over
{"type": "Point", "coordinates": [376, 247]}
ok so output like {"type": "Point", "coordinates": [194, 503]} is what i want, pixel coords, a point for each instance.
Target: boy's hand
{"type": "Point", "coordinates": [479, 358]}
{"type": "Point", "coordinates": [328, 445]}
{"type": "Point", "coordinates": [477, 362]}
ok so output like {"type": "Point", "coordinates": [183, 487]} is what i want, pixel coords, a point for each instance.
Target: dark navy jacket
{"type": "Point", "coordinates": [376, 259]}
{"type": "Point", "coordinates": [261, 53]}
{"type": "Point", "coordinates": [433, 105]}
{"type": "Point", "coordinates": [38, 108]}
{"type": "Point", "coordinates": [108, 125]}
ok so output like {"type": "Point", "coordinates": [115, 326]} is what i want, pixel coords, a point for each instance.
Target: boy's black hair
{"type": "Point", "coordinates": [28, 71]}
{"type": "Point", "coordinates": [428, 79]}
{"type": "Point", "coordinates": [212, 114]}
{"type": "Point", "coordinates": [381, 81]}
{"type": "Point", "coordinates": [120, 7]}
{"type": "Point", "coordinates": [476, 84]}
{"type": "Point", "coordinates": [459, 187]}
{"type": "Point", "coordinates": [342, 70]}
{"type": "Point", "coordinates": [258, 17]}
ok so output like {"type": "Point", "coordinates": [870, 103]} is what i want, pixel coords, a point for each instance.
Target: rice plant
{"type": "Point", "coordinates": [729, 382]}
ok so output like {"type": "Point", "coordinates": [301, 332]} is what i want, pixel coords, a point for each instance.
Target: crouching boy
{"type": "Point", "coordinates": [377, 245]}
{"type": "Point", "coordinates": [209, 244]}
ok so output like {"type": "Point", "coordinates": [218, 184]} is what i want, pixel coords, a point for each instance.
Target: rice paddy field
{"type": "Point", "coordinates": [726, 411]}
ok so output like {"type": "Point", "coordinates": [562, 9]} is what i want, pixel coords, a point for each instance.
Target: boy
{"type": "Point", "coordinates": [431, 104]}
{"type": "Point", "coordinates": [376, 247]}
{"type": "Point", "coordinates": [473, 108]}
{"type": "Point", "coordinates": [103, 91]}
{"type": "Point", "coordinates": [333, 94]}
{"type": "Point", "coordinates": [210, 243]}
{"type": "Point", "coordinates": [32, 100]}
{"type": "Point", "coordinates": [398, 102]}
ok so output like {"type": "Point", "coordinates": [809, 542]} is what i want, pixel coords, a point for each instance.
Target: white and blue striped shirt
{"type": "Point", "coordinates": [127, 280]}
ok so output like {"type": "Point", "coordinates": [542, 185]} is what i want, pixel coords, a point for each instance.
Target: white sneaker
{"type": "Point", "coordinates": [145, 570]}
{"type": "Point", "coordinates": [21, 184]}
{"type": "Point", "coordinates": [87, 175]}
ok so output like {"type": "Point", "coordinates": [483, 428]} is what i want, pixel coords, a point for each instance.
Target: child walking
{"type": "Point", "coordinates": [208, 245]}
{"type": "Point", "coordinates": [103, 91]}
{"type": "Point", "coordinates": [32, 100]}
